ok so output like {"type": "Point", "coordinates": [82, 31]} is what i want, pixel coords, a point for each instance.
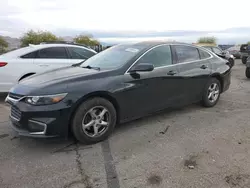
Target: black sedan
{"type": "Point", "coordinates": [121, 83]}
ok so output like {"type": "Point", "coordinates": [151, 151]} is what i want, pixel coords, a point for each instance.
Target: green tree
{"type": "Point", "coordinates": [248, 42]}
{"type": "Point", "coordinates": [210, 40]}
{"type": "Point", "coordinates": [32, 37]}
{"type": "Point", "coordinates": [86, 40]}
{"type": "Point", "coordinates": [3, 45]}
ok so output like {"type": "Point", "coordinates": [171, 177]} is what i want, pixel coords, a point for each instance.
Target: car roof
{"type": "Point", "coordinates": [152, 43]}
{"type": "Point", "coordinates": [205, 44]}
{"type": "Point", "coordinates": [61, 45]}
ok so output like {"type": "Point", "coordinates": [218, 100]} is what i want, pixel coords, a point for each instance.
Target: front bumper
{"type": "Point", "coordinates": [39, 121]}
{"type": "Point", "coordinates": [22, 132]}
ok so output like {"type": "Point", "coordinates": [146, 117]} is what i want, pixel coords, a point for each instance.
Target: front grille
{"type": "Point", "coordinates": [15, 96]}
{"type": "Point", "coordinates": [16, 113]}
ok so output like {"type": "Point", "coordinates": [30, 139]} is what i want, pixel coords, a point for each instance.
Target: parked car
{"type": "Point", "coordinates": [235, 51]}
{"type": "Point", "coordinates": [119, 84]}
{"type": "Point", "coordinates": [24, 62]}
{"type": "Point", "coordinates": [225, 46]}
{"type": "Point", "coordinates": [247, 71]}
{"type": "Point", "coordinates": [223, 54]}
{"type": "Point", "coordinates": [245, 51]}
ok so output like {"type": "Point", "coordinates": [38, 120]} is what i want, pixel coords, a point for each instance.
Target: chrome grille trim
{"type": "Point", "coordinates": [15, 113]}
{"type": "Point", "coordinates": [15, 96]}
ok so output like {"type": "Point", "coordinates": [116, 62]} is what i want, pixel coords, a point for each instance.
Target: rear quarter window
{"type": "Point", "coordinates": [30, 55]}
{"type": "Point", "coordinates": [203, 54]}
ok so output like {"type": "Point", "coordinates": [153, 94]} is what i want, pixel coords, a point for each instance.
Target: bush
{"type": "Point", "coordinates": [210, 40]}
{"type": "Point", "coordinates": [32, 37]}
{"type": "Point", "coordinates": [86, 40]}
{"type": "Point", "coordinates": [3, 45]}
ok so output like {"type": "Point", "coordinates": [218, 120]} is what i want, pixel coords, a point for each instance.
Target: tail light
{"type": "Point", "coordinates": [2, 64]}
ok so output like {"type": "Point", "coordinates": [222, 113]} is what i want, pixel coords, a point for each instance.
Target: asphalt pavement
{"type": "Point", "coordinates": [189, 147]}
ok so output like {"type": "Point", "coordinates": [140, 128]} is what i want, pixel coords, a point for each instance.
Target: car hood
{"type": "Point", "coordinates": [57, 75]}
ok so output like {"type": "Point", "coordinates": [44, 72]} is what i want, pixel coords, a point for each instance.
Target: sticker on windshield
{"type": "Point", "coordinates": [134, 50]}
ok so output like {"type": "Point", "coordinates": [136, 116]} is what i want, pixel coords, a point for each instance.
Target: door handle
{"type": "Point", "coordinates": [171, 73]}
{"type": "Point", "coordinates": [204, 67]}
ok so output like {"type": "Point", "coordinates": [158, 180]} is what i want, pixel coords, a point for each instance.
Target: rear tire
{"type": "Point", "coordinates": [247, 72]}
{"type": "Point", "coordinates": [244, 60]}
{"type": "Point", "coordinates": [211, 93]}
{"type": "Point", "coordinates": [94, 120]}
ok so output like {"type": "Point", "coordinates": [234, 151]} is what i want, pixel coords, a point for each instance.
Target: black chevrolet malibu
{"type": "Point", "coordinates": [122, 83]}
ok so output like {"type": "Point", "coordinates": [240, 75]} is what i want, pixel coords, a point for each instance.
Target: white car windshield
{"type": "Point", "coordinates": [114, 57]}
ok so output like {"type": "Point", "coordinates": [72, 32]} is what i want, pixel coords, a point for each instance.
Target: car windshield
{"type": "Point", "coordinates": [113, 58]}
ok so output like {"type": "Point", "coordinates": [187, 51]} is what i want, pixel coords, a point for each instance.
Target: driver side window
{"type": "Point", "coordinates": [159, 56]}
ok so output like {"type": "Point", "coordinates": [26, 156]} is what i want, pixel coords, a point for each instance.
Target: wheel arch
{"type": "Point", "coordinates": [103, 94]}
{"type": "Point", "coordinates": [218, 77]}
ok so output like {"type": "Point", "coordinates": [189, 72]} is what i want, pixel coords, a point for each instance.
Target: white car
{"type": "Point", "coordinates": [21, 63]}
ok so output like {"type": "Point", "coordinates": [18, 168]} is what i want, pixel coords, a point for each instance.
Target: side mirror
{"type": "Point", "coordinates": [142, 67]}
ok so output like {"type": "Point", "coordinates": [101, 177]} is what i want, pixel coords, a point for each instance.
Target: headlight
{"type": "Point", "coordinates": [46, 99]}
{"type": "Point", "coordinates": [231, 56]}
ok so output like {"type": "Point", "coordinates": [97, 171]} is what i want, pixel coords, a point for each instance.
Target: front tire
{"type": "Point", "coordinates": [244, 59]}
{"type": "Point", "coordinates": [247, 72]}
{"type": "Point", "coordinates": [211, 93]}
{"type": "Point", "coordinates": [94, 120]}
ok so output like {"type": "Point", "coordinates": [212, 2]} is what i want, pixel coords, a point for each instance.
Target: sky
{"type": "Point", "coordinates": [67, 16]}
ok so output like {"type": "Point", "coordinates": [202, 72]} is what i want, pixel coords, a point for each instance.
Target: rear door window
{"type": "Point", "coordinates": [53, 53]}
{"type": "Point", "coordinates": [186, 53]}
{"type": "Point", "coordinates": [80, 53]}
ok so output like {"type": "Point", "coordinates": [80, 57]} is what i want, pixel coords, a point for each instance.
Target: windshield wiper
{"type": "Point", "coordinates": [89, 67]}
{"type": "Point", "coordinates": [77, 64]}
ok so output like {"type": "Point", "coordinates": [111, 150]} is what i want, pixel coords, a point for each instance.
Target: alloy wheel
{"type": "Point", "coordinates": [96, 121]}
{"type": "Point", "coordinates": [213, 92]}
